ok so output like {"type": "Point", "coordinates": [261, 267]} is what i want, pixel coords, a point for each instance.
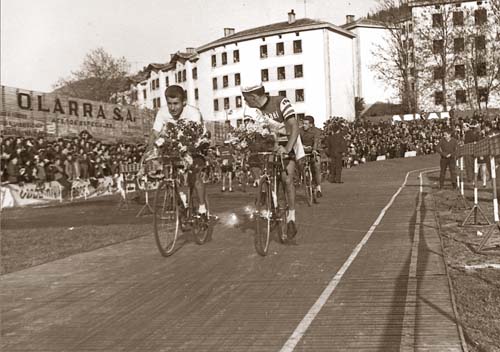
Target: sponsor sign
{"type": "Point", "coordinates": [30, 113]}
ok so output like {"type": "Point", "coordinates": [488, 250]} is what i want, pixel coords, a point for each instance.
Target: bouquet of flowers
{"type": "Point", "coordinates": [259, 134]}
{"type": "Point", "coordinates": [183, 138]}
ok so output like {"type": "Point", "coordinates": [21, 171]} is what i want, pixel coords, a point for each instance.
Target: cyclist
{"type": "Point", "coordinates": [311, 138]}
{"type": "Point", "coordinates": [175, 110]}
{"type": "Point", "coordinates": [279, 112]}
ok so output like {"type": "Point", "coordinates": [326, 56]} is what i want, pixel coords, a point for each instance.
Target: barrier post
{"type": "Point", "coordinates": [461, 201]}
{"type": "Point", "coordinates": [496, 226]}
{"type": "Point", "coordinates": [146, 208]}
{"type": "Point", "coordinates": [476, 208]}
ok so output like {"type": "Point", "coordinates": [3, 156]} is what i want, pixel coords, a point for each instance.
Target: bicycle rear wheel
{"type": "Point", "coordinates": [308, 186]}
{"type": "Point", "coordinates": [166, 218]}
{"type": "Point", "coordinates": [263, 217]}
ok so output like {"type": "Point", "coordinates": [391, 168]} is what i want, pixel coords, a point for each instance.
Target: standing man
{"type": "Point", "coordinates": [311, 138]}
{"type": "Point", "coordinates": [448, 148]}
{"type": "Point", "coordinates": [280, 112]}
{"type": "Point", "coordinates": [471, 135]}
{"type": "Point", "coordinates": [336, 147]}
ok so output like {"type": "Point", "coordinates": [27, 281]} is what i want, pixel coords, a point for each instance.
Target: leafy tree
{"type": "Point", "coordinates": [98, 78]}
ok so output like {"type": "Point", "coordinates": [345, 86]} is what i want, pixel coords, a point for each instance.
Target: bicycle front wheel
{"type": "Point", "coordinates": [308, 186]}
{"type": "Point", "coordinates": [263, 217]}
{"type": "Point", "coordinates": [166, 218]}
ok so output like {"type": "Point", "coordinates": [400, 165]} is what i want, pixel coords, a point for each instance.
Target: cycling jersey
{"type": "Point", "coordinates": [278, 108]}
{"type": "Point", "coordinates": [163, 117]}
{"type": "Point", "coordinates": [311, 137]}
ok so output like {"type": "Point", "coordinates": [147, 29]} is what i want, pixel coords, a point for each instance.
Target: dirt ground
{"type": "Point", "coordinates": [476, 286]}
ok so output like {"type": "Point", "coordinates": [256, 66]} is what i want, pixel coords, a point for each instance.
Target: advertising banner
{"type": "Point", "coordinates": [29, 113]}
{"type": "Point", "coordinates": [14, 195]}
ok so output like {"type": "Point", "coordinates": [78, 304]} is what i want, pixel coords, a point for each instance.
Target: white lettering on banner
{"type": "Point", "coordinates": [410, 154]}
{"type": "Point", "coordinates": [35, 194]}
{"type": "Point", "coordinates": [380, 157]}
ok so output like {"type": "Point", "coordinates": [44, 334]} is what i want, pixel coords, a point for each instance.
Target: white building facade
{"type": "Point", "coordinates": [471, 43]}
{"type": "Point", "coordinates": [308, 61]}
{"type": "Point", "coordinates": [371, 37]}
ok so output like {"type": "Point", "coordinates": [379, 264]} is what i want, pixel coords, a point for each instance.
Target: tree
{"type": "Point", "coordinates": [359, 106]}
{"type": "Point", "coordinates": [394, 66]}
{"type": "Point", "coordinates": [434, 43]}
{"type": "Point", "coordinates": [98, 78]}
{"type": "Point", "coordinates": [481, 56]}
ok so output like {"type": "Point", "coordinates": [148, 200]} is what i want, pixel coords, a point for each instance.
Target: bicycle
{"type": "Point", "coordinates": [174, 211]}
{"type": "Point", "coordinates": [308, 179]}
{"type": "Point", "coordinates": [271, 209]}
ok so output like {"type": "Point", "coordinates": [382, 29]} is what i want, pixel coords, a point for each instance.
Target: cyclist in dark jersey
{"type": "Point", "coordinates": [280, 113]}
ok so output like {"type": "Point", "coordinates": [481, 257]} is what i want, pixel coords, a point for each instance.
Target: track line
{"type": "Point", "coordinates": [301, 329]}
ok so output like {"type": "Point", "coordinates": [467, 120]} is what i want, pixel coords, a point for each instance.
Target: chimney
{"type": "Point", "coordinates": [291, 17]}
{"type": "Point", "coordinates": [349, 18]}
{"type": "Point", "coordinates": [228, 32]}
{"type": "Point", "coordinates": [190, 50]}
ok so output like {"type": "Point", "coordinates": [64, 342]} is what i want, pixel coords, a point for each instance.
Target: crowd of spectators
{"type": "Point", "coordinates": [366, 140]}
{"type": "Point", "coordinates": [38, 160]}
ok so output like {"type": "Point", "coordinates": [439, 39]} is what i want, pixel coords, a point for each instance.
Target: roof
{"type": "Point", "coordinates": [302, 24]}
{"type": "Point", "coordinates": [414, 3]}
{"type": "Point", "coordinates": [363, 22]}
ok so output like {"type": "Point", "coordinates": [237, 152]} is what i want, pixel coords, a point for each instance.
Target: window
{"type": "Point", "coordinates": [154, 103]}
{"type": "Point", "coordinates": [280, 49]}
{"type": "Point", "coordinates": [158, 103]}
{"type": "Point", "coordinates": [297, 46]}
{"type": "Point", "coordinates": [480, 17]}
{"type": "Point", "coordinates": [458, 18]}
{"type": "Point", "coordinates": [196, 94]}
{"type": "Point", "coordinates": [458, 45]}
{"type": "Point", "coordinates": [184, 75]}
{"type": "Point", "coordinates": [410, 27]}
{"type": "Point", "coordinates": [214, 61]}
{"type": "Point", "coordinates": [144, 94]}
{"type": "Point", "coordinates": [179, 76]}
{"type": "Point", "coordinates": [438, 98]}
{"type": "Point", "coordinates": [480, 42]}
{"type": "Point", "coordinates": [299, 95]}
{"type": "Point", "coordinates": [298, 71]}
{"type": "Point", "coordinates": [460, 96]}
{"type": "Point", "coordinates": [237, 79]}
{"type": "Point", "coordinates": [481, 69]}
{"type": "Point", "coordinates": [410, 44]}
{"type": "Point", "coordinates": [226, 103]}
{"type": "Point", "coordinates": [437, 20]}
{"type": "Point", "coordinates": [224, 58]}
{"type": "Point", "coordinates": [238, 101]}
{"type": "Point", "coordinates": [281, 73]}
{"type": "Point", "coordinates": [263, 51]}
{"type": "Point", "coordinates": [214, 83]}
{"type": "Point", "coordinates": [483, 95]}
{"type": "Point", "coordinates": [225, 81]}
{"type": "Point", "coordinates": [282, 93]}
{"type": "Point", "coordinates": [195, 73]}
{"type": "Point", "coordinates": [236, 56]}
{"type": "Point", "coordinates": [264, 75]}
{"type": "Point", "coordinates": [216, 105]}
{"type": "Point", "coordinates": [166, 81]}
{"type": "Point", "coordinates": [438, 72]}
{"type": "Point", "coordinates": [459, 71]}
{"type": "Point", "coordinates": [438, 46]}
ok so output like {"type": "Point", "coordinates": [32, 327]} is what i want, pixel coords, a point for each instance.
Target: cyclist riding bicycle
{"type": "Point", "coordinates": [279, 112]}
{"type": "Point", "coordinates": [311, 138]}
{"type": "Point", "coordinates": [177, 109]}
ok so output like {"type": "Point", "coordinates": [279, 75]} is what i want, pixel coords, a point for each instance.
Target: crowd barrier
{"type": "Point", "coordinates": [488, 148]}
{"type": "Point", "coordinates": [126, 182]}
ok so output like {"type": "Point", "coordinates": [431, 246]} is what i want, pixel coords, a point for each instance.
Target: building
{"type": "Point", "coordinates": [308, 61]}
{"type": "Point", "coordinates": [371, 36]}
{"type": "Point", "coordinates": [456, 50]}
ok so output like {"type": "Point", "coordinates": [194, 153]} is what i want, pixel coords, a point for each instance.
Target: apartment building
{"type": "Point", "coordinates": [308, 61]}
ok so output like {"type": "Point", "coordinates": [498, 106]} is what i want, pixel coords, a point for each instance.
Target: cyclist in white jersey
{"type": "Point", "coordinates": [176, 109]}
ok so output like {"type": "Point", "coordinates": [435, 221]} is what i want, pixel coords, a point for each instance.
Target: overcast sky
{"type": "Point", "coordinates": [43, 40]}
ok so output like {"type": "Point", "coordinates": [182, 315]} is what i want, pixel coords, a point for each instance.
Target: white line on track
{"type": "Point", "coordinates": [301, 329]}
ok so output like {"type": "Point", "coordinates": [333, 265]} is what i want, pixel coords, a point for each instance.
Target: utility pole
{"type": "Point", "coordinates": [305, 8]}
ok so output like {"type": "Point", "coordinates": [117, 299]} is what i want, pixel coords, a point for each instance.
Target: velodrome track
{"type": "Point", "coordinates": [367, 275]}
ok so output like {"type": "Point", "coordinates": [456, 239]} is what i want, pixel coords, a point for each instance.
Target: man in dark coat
{"type": "Point", "coordinates": [336, 147]}
{"type": "Point", "coordinates": [471, 135]}
{"type": "Point", "coordinates": [448, 148]}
